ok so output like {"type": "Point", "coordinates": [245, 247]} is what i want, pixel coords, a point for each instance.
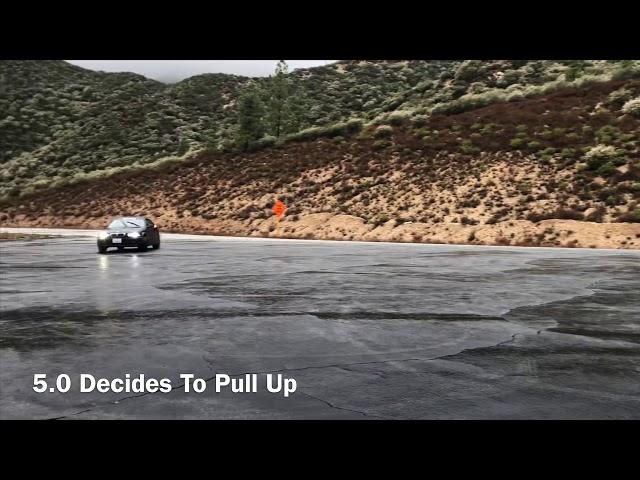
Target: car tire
{"type": "Point", "coordinates": [156, 246]}
{"type": "Point", "coordinates": [102, 249]}
{"type": "Point", "coordinates": [142, 248]}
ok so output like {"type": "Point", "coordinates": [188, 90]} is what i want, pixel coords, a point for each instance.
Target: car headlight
{"type": "Point", "coordinates": [103, 235]}
{"type": "Point", "coordinates": [134, 235]}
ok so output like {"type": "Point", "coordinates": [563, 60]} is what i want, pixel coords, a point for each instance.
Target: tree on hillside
{"type": "Point", "coordinates": [250, 126]}
{"type": "Point", "coordinates": [284, 103]}
{"type": "Point", "coordinates": [575, 68]}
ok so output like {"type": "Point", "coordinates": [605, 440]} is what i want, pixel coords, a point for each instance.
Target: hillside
{"type": "Point", "coordinates": [556, 166]}
{"type": "Point", "coordinates": [60, 123]}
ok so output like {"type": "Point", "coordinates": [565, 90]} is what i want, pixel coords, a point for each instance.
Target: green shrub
{"type": "Point", "coordinates": [548, 151]}
{"type": "Point", "coordinates": [572, 136]}
{"type": "Point", "coordinates": [632, 217]}
{"type": "Point", "coordinates": [632, 107]}
{"type": "Point", "coordinates": [469, 102]}
{"type": "Point", "coordinates": [183, 147]}
{"type": "Point", "coordinates": [617, 98]}
{"type": "Point", "coordinates": [306, 134]}
{"type": "Point", "coordinates": [381, 144]}
{"type": "Point", "coordinates": [398, 118]}
{"type": "Point", "coordinates": [517, 142]}
{"type": "Point", "coordinates": [606, 168]}
{"type": "Point", "coordinates": [383, 131]}
{"type": "Point", "coordinates": [607, 134]}
{"type": "Point", "coordinates": [339, 129]}
{"type": "Point", "coordinates": [626, 72]}
{"type": "Point", "coordinates": [345, 129]}
{"type": "Point", "coordinates": [546, 134]}
{"type": "Point", "coordinates": [353, 126]}
{"type": "Point", "coordinates": [468, 148]}
{"type": "Point", "coordinates": [420, 120]}
{"type": "Point", "coordinates": [600, 155]}
{"type": "Point", "coordinates": [468, 70]}
{"type": "Point", "coordinates": [264, 142]}
{"type": "Point", "coordinates": [560, 213]}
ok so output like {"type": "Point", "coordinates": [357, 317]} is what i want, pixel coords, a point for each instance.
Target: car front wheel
{"type": "Point", "coordinates": [102, 249]}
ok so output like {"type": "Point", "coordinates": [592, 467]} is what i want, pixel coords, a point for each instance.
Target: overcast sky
{"type": "Point", "coordinates": [175, 70]}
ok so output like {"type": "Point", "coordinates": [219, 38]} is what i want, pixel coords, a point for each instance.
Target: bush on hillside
{"type": "Point", "coordinates": [381, 144]}
{"type": "Point", "coordinates": [630, 69]}
{"type": "Point", "coordinates": [617, 98]}
{"type": "Point", "coordinates": [420, 120]}
{"type": "Point", "coordinates": [398, 118]}
{"type": "Point", "coordinates": [600, 155]}
{"type": "Point", "coordinates": [632, 107]}
{"type": "Point", "coordinates": [383, 131]}
{"type": "Point", "coordinates": [560, 213]}
{"type": "Point", "coordinates": [631, 217]}
{"type": "Point", "coordinates": [264, 142]}
{"type": "Point", "coordinates": [344, 129]}
{"type": "Point", "coordinates": [468, 70]}
{"type": "Point", "coordinates": [468, 148]}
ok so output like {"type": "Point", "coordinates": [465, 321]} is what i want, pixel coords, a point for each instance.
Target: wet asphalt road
{"type": "Point", "coordinates": [368, 331]}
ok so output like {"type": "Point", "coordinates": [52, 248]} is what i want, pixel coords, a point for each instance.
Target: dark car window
{"type": "Point", "coordinates": [149, 222]}
{"type": "Point", "coordinates": [117, 224]}
{"type": "Point", "coordinates": [127, 222]}
{"type": "Point", "coordinates": [133, 222]}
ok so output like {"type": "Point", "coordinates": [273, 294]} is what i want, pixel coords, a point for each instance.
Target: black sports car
{"type": "Point", "coordinates": [124, 232]}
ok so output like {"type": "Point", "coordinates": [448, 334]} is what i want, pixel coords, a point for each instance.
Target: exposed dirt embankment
{"type": "Point", "coordinates": [327, 226]}
{"type": "Point", "coordinates": [446, 179]}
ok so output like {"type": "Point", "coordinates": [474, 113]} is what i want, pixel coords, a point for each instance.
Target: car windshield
{"type": "Point", "coordinates": [127, 223]}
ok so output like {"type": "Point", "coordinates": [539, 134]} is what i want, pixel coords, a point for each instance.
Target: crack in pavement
{"type": "Point", "coordinates": [499, 344]}
{"type": "Point", "coordinates": [330, 405]}
{"type": "Point", "coordinates": [282, 370]}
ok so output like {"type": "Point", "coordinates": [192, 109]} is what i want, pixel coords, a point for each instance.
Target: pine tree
{"type": "Point", "coordinates": [284, 102]}
{"type": "Point", "coordinates": [250, 119]}
{"type": "Point", "coordinates": [278, 90]}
